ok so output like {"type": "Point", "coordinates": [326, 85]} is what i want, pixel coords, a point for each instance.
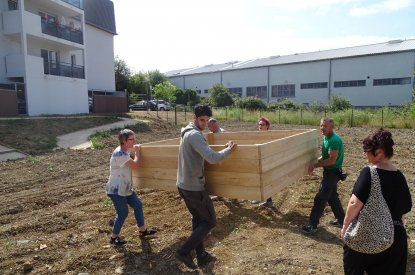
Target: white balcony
{"type": "Point", "coordinates": [15, 65]}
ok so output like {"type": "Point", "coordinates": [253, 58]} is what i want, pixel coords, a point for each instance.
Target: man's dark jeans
{"type": "Point", "coordinates": [203, 219]}
{"type": "Point", "coordinates": [327, 193]}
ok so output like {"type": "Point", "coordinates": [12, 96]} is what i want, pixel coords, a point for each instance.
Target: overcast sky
{"type": "Point", "coordinates": [169, 35]}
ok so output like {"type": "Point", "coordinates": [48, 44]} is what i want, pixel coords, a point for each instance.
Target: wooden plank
{"type": "Point", "coordinates": [241, 152]}
{"type": "Point", "coordinates": [284, 175]}
{"type": "Point", "coordinates": [230, 191]}
{"type": "Point", "coordinates": [229, 165]}
{"type": "Point", "coordinates": [160, 184]}
{"type": "Point", "coordinates": [160, 151]}
{"type": "Point", "coordinates": [280, 145]}
{"type": "Point", "coordinates": [292, 151]}
{"type": "Point", "coordinates": [156, 173]}
{"type": "Point", "coordinates": [173, 141]}
{"type": "Point", "coordinates": [252, 137]}
{"type": "Point", "coordinates": [235, 179]}
{"type": "Point", "coordinates": [170, 162]}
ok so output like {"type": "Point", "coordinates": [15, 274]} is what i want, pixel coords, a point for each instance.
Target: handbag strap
{"type": "Point", "coordinates": [375, 187]}
{"type": "Point", "coordinates": [375, 181]}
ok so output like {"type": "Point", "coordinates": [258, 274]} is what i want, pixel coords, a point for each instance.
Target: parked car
{"type": "Point", "coordinates": [162, 105]}
{"type": "Point", "coordinates": [143, 105]}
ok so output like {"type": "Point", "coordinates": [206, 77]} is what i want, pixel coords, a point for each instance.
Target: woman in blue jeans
{"type": "Point", "coordinates": [120, 188]}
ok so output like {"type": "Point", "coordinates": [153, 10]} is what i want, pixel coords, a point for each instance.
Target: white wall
{"type": "Point", "coordinates": [202, 81]}
{"type": "Point", "coordinates": [99, 59]}
{"type": "Point", "coordinates": [367, 68]}
{"type": "Point", "coordinates": [245, 78]}
{"type": "Point", "coordinates": [310, 72]}
{"type": "Point", "coordinates": [49, 94]}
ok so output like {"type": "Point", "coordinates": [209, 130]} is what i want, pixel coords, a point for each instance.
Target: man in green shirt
{"type": "Point", "coordinates": [331, 160]}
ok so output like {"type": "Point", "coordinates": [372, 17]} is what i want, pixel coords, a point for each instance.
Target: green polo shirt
{"type": "Point", "coordinates": [334, 142]}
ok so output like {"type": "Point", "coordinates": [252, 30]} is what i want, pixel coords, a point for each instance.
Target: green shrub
{"type": "Point", "coordinates": [339, 103]}
{"type": "Point", "coordinates": [250, 103]}
{"type": "Point", "coordinates": [284, 105]}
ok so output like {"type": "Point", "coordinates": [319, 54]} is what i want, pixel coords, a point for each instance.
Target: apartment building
{"type": "Point", "coordinates": [369, 75]}
{"type": "Point", "coordinates": [52, 52]}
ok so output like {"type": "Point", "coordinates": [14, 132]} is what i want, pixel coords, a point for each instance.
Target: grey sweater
{"type": "Point", "coordinates": [193, 151]}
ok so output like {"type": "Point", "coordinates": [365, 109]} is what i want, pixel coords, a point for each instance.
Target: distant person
{"type": "Point", "coordinates": [331, 160]}
{"type": "Point", "coordinates": [193, 151]}
{"type": "Point", "coordinates": [214, 126]}
{"type": "Point", "coordinates": [120, 188]}
{"type": "Point", "coordinates": [378, 148]}
{"type": "Point", "coordinates": [263, 125]}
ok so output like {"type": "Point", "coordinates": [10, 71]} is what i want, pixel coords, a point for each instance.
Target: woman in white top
{"type": "Point", "coordinates": [119, 186]}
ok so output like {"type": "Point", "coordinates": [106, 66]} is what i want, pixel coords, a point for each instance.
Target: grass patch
{"type": "Point", "coordinates": [97, 139]}
{"type": "Point", "coordinates": [37, 135]}
{"type": "Point", "coordinates": [33, 159]}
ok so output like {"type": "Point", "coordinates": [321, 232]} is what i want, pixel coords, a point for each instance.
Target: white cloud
{"type": "Point", "coordinates": [381, 7]}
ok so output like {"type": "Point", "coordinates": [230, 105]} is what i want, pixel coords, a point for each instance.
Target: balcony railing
{"type": "Point", "coordinates": [62, 31]}
{"type": "Point", "coordinates": [64, 69]}
{"type": "Point", "coordinates": [75, 3]}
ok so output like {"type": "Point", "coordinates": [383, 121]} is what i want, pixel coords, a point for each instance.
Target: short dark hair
{"type": "Point", "coordinates": [380, 139]}
{"type": "Point", "coordinates": [202, 110]}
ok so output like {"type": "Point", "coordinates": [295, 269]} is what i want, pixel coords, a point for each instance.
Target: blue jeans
{"type": "Point", "coordinates": [203, 220]}
{"type": "Point", "coordinates": [121, 207]}
{"type": "Point", "coordinates": [327, 194]}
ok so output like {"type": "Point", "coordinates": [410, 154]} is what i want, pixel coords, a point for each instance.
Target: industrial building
{"type": "Point", "coordinates": [370, 75]}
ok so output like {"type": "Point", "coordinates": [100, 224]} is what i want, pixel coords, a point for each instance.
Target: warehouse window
{"type": "Point", "coordinates": [283, 91]}
{"type": "Point", "coordinates": [236, 91]}
{"type": "Point", "coordinates": [392, 81]}
{"type": "Point", "coordinates": [315, 85]}
{"type": "Point", "coordinates": [349, 83]}
{"type": "Point", "coordinates": [260, 91]}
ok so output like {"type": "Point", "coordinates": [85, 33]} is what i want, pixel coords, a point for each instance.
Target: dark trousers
{"type": "Point", "coordinates": [327, 194]}
{"type": "Point", "coordinates": [389, 262]}
{"type": "Point", "coordinates": [203, 219]}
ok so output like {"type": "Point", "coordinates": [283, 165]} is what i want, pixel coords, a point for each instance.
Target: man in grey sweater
{"type": "Point", "coordinates": [193, 151]}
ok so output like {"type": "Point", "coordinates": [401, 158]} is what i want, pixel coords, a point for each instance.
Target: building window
{"type": "Point", "coordinates": [206, 91]}
{"type": "Point", "coordinates": [260, 91]}
{"type": "Point", "coordinates": [12, 5]}
{"type": "Point", "coordinates": [392, 81]}
{"type": "Point", "coordinates": [236, 91]}
{"type": "Point", "coordinates": [315, 85]}
{"type": "Point", "coordinates": [199, 92]}
{"type": "Point", "coordinates": [349, 83]}
{"type": "Point", "coordinates": [283, 91]}
{"type": "Point", "coordinates": [50, 61]}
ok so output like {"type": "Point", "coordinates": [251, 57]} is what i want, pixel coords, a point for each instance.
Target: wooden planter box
{"type": "Point", "coordinates": [263, 163]}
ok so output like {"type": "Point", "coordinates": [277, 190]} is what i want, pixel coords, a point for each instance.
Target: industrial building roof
{"type": "Point", "coordinates": [372, 49]}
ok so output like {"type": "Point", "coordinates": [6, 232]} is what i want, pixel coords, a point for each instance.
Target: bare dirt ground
{"type": "Point", "coordinates": [55, 217]}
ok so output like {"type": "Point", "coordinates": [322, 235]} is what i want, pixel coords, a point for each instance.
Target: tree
{"type": "Point", "coordinates": [165, 91]}
{"type": "Point", "coordinates": [138, 83]}
{"type": "Point", "coordinates": [122, 74]}
{"type": "Point", "coordinates": [220, 96]}
{"type": "Point", "coordinates": [339, 103]}
{"type": "Point", "coordinates": [250, 103]}
{"type": "Point", "coordinates": [186, 97]}
{"type": "Point", "coordinates": [156, 77]}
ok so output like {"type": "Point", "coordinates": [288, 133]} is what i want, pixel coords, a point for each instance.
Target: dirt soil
{"type": "Point", "coordinates": [55, 217]}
